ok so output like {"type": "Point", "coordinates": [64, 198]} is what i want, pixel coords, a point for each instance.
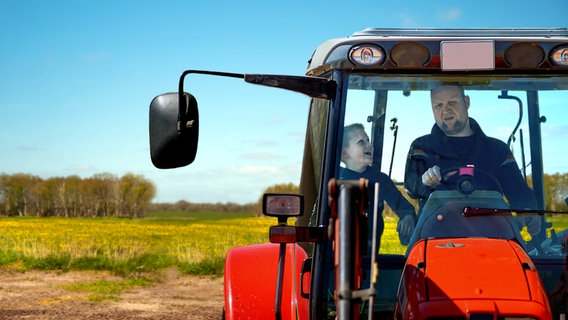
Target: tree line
{"type": "Point", "coordinates": [106, 195]}
{"type": "Point", "coordinates": [255, 208]}
{"type": "Point", "coordinates": [185, 206]}
{"type": "Point", "coordinates": [102, 195]}
{"type": "Point", "coordinates": [556, 191]}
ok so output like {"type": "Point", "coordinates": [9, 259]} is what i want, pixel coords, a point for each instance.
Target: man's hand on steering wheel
{"type": "Point", "coordinates": [432, 177]}
{"type": "Point", "coordinates": [452, 178]}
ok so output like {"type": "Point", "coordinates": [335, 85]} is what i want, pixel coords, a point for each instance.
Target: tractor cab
{"type": "Point", "coordinates": [370, 239]}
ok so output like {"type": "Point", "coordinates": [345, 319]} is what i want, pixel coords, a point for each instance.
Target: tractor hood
{"type": "Point", "coordinates": [463, 276]}
{"type": "Point", "coordinates": [475, 268]}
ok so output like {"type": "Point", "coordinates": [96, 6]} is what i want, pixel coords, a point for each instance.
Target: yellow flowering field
{"type": "Point", "coordinates": [129, 245]}
{"type": "Point", "coordinates": [174, 241]}
{"type": "Point", "coordinates": [390, 244]}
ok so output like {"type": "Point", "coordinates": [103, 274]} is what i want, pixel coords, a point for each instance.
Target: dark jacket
{"type": "Point", "coordinates": [490, 155]}
{"type": "Point", "coordinates": [387, 192]}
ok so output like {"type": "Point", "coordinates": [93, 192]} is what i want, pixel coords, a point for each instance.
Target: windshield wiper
{"type": "Point", "coordinates": [474, 212]}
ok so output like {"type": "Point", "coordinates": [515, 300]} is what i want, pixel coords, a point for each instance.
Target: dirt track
{"type": "Point", "coordinates": [38, 295]}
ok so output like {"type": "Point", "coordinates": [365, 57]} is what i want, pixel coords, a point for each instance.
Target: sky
{"type": "Point", "coordinates": [77, 79]}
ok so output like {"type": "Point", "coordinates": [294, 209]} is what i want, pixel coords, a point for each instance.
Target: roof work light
{"type": "Point", "coordinates": [367, 55]}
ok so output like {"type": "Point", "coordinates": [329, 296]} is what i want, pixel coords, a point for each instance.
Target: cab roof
{"type": "Point", "coordinates": [333, 54]}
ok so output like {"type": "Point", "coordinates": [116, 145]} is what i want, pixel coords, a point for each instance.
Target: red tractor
{"type": "Point", "coordinates": [471, 253]}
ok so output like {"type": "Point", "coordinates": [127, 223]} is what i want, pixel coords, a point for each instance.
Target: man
{"type": "Point", "coordinates": [456, 140]}
{"type": "Point", "coordinates": [357, 155]}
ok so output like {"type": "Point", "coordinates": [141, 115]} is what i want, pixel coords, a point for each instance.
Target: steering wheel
{"type": "Point", "coordinates": [464, 179]}
{"type": "Point", "coordinates": [465, 183]}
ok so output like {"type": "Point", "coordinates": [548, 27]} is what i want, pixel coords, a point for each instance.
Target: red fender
{"type": "Point", "coordinates": [250, 282]}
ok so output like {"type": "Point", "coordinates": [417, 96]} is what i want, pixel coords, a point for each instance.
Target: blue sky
{"type": "Point", "coordinates": [78, 77]}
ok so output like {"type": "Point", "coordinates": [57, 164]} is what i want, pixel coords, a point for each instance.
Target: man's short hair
{"type": "Point", "coordinates": [444, 86]}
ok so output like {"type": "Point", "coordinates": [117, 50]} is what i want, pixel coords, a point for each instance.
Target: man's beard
{"type": "Point", "coordinates": [457, 127]}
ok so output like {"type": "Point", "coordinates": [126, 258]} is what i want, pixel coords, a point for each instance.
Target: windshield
{"type": "Point", "coordinates": [391, 112]}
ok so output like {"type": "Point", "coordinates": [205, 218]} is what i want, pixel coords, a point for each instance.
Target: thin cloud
{"type": "Point", "coordinates": [405, 20]}
{"type": "Point", "coordinates": [267, 143]}
{"type": "Point", "coordinates": [30, 148]}
{"type": "Point", "coordinates": [260, 170]}
{"type": "Point", "coordinates": [292, 169]}
{"type": "Point", "coordinates": [298, 134]}
{"type": "Point", "coordinates": [277, 119]}
{"type": "Point", "coordinates": [94, 58]}
{"type": "Point", "coordinates": [260, 156]}
{"type": "Point", "coordinates": [81, 168]}
{"type": "Point", "coordinates": [450, 15]}
{"type": "Point", "coordinates": [555, 132]}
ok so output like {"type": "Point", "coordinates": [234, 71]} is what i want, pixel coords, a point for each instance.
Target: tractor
{"type": "Point", "coordinates": [469, 255]}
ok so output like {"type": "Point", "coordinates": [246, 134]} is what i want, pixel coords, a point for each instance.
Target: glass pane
{"type": "Point", "coordinates": [395, 110]}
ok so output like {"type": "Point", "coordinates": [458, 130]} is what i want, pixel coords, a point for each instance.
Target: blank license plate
{"type": "Point", "coordinates": [467, 55]}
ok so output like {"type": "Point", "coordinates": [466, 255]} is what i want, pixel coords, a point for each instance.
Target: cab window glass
{"type": "Point", "coordinates": [396, 110]}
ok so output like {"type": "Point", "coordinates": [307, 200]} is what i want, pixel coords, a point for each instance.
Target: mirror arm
{"type": "Point", "coordinates": [182, 115]}
{"type": "Point", "coordinates": [314, 87]}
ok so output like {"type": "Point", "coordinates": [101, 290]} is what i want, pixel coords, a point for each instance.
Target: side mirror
{"type": "Point", "coordinates": [173, 136]}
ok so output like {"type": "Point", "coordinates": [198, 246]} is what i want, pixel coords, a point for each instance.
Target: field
{"type": "Point", "coordinates": [167, 266]}
{"type": "Point", "coordinates": [195, 243]}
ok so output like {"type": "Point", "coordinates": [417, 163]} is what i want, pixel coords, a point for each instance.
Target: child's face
{"type": "Point", "coordinates": [358, 154]}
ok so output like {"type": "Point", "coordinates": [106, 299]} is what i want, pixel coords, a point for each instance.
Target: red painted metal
{"type": "Point", "coordinates": [250, 282]}
{"type": "Point", "coordinates": [464, 276]}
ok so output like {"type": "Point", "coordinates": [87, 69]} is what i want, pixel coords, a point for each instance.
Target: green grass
{"type": "Point", "coordinates": [107, 289]}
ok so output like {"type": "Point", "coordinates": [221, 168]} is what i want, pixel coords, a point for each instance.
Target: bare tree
{"type": "Point", "coordinates": [101, 195]}
{"type": "Point", "coordinates": [136, 193]}
{"type": "Point", "coordinates": [556, 191]}
{"type": "Point", "coordinates": [18, 191]}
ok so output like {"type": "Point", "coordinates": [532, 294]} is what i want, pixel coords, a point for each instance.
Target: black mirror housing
{"type": "Point", "coordinates": [173, 138]}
